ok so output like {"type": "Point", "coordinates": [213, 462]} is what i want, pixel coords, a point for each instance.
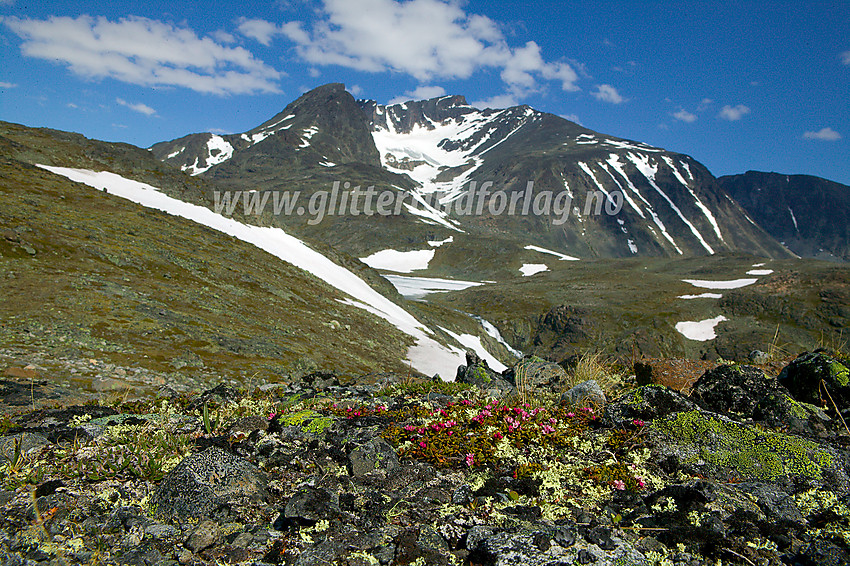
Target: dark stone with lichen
{"type": "Point", "coordinates": [816, 376]}
{"type": "Point", "coordinates": [208, 484]}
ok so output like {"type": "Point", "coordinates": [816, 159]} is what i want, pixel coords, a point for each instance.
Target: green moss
{"type": "Point", "coordinates": [751, 453]}
{"type": "Point", "coordinates": [309, 421]}
{"type": "Point", "coordinates": [840, 373]}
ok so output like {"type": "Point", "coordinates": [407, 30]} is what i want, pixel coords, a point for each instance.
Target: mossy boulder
{"type": "Point", "coordinates": [477, 372]}
{"type": "Point", "coordinates": [812, 374]}
{"type": "Point", "coordinates": [710, 445]}
{"type": "Point", "coordinates": [739, 391]}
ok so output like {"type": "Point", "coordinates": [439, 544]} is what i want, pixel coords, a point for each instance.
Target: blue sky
{"type": "Point", "coordinates": [737, 85]}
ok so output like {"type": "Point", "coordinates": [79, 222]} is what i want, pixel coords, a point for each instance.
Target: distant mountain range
{"type": "Point", "coordinates": [809, 215]}
{"type": "Point", "coordinates": [437, 151]}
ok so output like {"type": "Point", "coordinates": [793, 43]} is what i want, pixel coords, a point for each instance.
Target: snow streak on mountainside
{"type": "Point", "coordinates": [427, 356]}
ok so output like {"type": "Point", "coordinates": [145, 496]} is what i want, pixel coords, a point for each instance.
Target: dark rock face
{"type": "Point", "coordinates": [807, 376]}
{"type": "Point", "coordinates": [809, 214]}
{"type": "Point", "coordinates": [537, 377]}
{"type": "Point", "coordinates": [376, 455]}
{"type": "Point", "coordinates": [208, 484]}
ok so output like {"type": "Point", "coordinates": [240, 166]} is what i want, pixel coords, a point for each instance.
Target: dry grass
{"type": "Point", "coordinates": [592, 365]}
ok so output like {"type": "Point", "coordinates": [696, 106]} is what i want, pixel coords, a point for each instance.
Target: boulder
{"type": "Point", "coordinates": [812, 375]}
{"type": "Point", "coordinates": [208, 484]}
{"type": "Point", "coordinates": [477, 372]}
{"type": "Point", "coordinates": [585, 393]}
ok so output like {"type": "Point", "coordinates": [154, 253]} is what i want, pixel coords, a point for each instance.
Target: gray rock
{"type": "Point", "coordinates": [537, 377]}
{"type": "Point", "coordinates": [376, 455]}
{"type": "Point", "coordinates": [207, 485]}
{"type": "Point", "coordinates": [645, 403]}
{"type": "Point", "coordinates": [758, 357]}
{"type": "Point", "coordinates": [205, 535]}
{"type": "Point", "coordinates": [310, 505]}
{"type": "Point", "coordinates": [586, 392]}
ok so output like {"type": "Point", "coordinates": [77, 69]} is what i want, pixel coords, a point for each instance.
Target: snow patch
{"type": "Point", "coordinates": [760, 272]}
{"type": "Point", "coordinates": [529, 269]}
{"type": "Point", "coordinates": [437, 244]}
{"type": "Point", "coordinates": [419, 287]}
{"type": "Point", "coordinates": [216, 144]}
{"type": "Point", "coordinates": [400, 262]}
{"type": "Point", "coordinates": [732, 284]}
{"type": "Point", "coordinates": [559, 255]}
{"type": "Point", "coordinates": [701, 296]}
{"type": "Point", "coordinates": [702, 330]}
{"type": "Point", "coordinates": [474, 344]}
{"type": "Point", "coordinates": [491, 329]}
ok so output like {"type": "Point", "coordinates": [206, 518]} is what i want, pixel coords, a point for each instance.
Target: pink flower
{"type": "Point", "coordinates": [640, 482]}
{"type": "Point", "coordinates": [465, 402]}
{"type": "Point", "coordinates": [553, 420]}
{"type": "Point", "coordinates": [547, 429]}
{"type": "Point", "coordinates": [470, 459]}
{"type": "Point", "coordinates": [638, 422]}
{"type": "Point", "coordinates": [619, 484]}
{"type": "Point", "coordinates": [422, 444]}
{"type": "Point", "coordinates": [498, 435]}
{"type": "Point", "coordinates": [410, 428]}
{"type": "Point", "coordinates": [271, 415]}
{"type": "Point", "coordinates": [571, 414]}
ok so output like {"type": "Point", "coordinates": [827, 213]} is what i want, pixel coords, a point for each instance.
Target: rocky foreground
{"type": "Point", "coordinates": [491, 470]}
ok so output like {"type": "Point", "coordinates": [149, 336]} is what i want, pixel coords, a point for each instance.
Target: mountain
{"type": "Point", "coordinates": [439, 155]}
{"type": "Point", "coordinates": [809, 215]}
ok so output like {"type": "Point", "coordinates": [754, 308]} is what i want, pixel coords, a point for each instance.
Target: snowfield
{"type": "Point", "coordinates": [702, 330]}
{"type": "Point", "coordinates": [400, 262]}
{"type": "Point", "coordinates": [427, 355]}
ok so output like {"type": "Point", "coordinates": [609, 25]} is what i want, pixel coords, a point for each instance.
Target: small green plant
{"type": "Point", "coordinates": [210, 424]}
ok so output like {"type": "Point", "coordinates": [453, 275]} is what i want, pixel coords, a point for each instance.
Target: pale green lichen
{"type": "Point", "coordinates": [751, 453]}
{"type": "Point", "coordinates": [309, 421]}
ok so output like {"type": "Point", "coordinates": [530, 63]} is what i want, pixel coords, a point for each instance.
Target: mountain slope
{"type": "Point", "coordinates": [437, 153]}
{"type": "Point", "coordinates": [810, 215]}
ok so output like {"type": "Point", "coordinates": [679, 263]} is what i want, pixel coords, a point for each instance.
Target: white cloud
{"type": "Point", "coordinates": [733, 113]}
{"type": "Point", "coordinates": [824, 134]}
{"type": "Point", "coordinates": [7, 85]}
{"type": "Point", "coordinates": [685, 116]}
{"type": "Point", "coordinates": [499, 101]}
{"type": "Point", "coordinates": [355, 90]}
{"type": "Point", "coordinates": [422, 92]}
{"type": "Point", "coordinates": [608, 93]}
{"type": "Point", "coordinates": [572, 118]}
{"type": "Point", "coordinates": [137, 107]}
{"type": "Point", "coordinates": [425, 39]}
{"type": "Point", "coordinates": [845, 57]}
{"type": "Point", "coordinates": [259, 30]}
{"type": "Point", "coordinates": [144, 52]}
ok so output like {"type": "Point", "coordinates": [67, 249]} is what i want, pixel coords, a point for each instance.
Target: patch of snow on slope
{"type": "Point", "coordinates": [702, 330]}
{"type": "Point", "coordinates": [491, 329]}
{"type": "Point", "coordinates": [427, 355]}
{"type": "Point", "coordinates": [400, 262]}
{"type": "Point", "coordinates": [308, 134]}
{"type": "Point", "coordinates": [760, 272]}
{"type": "Point", "coordinates": [437, 244]}
{"type": "Point", "coordinates": [627, 145]}
{"type": "Point", "coordinates": [559, 255]}
{"type": "Point", "coordinates": [176, 153]}
{"type": "Point", "coordinates": [701, 296]}
{"type": "Point", "coordinates": [419, 287]}
{"type": "Point", "coordinates": [223, 151]}
{"type": "Point", "coordinates": [529, 269]}
{"type": "Point", "coordinates": [794, 219]}
{"type": "Point", "coordinates": [474, 344]}
{"type": "Point", "coordinates": [732, 284]}
{"type": "Point", "coordinates": [649, 171]}
{"type": "Point", "coordinates": [632, 246]}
